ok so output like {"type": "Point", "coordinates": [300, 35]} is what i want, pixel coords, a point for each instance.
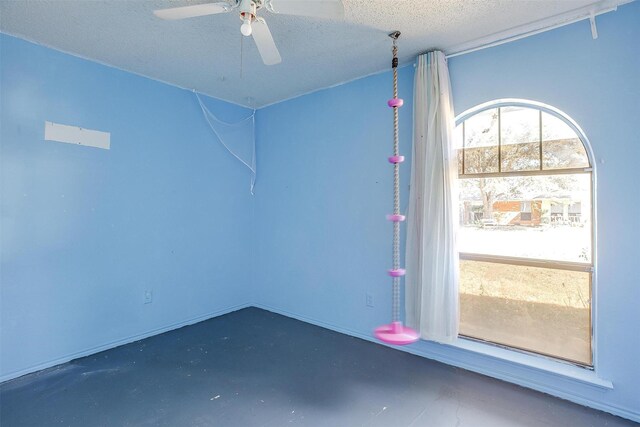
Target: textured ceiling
{"type": "Point", "coordinates": [204, 53]}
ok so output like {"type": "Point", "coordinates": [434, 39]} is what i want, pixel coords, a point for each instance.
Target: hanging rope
{"type": "Point", "coordinates": [396, 184]}
{"type": "Point", "coordinates": [396, 333]}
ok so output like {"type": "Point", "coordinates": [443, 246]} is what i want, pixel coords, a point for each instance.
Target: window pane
{"type": "Point", "coordinates": [542, 217]}
{"type": "Point", "coordinates": [561, 147]}
{"type": "Point", "coordinates": [538, 309]}
{"type": "Point", "coordinates": [520, 143]}
{"type": "Point", "coordinates": [481, 142]}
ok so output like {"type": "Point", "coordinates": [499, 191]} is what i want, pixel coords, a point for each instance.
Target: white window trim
{"type": "Point", "coordinates": [537, 361]}
{"type": "Point", "coordinates": [585, 374]}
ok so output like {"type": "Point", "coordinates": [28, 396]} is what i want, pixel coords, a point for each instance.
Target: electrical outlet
{"type": "Point", "coordinates": [369, 300]}
{"type": "Point", "coordinates": [148, 296]}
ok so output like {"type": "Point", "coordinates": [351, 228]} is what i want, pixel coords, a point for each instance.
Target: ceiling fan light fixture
{"type": "Point", "coordinates": [245, 28]}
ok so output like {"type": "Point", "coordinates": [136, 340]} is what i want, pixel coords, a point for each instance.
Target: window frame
{"type": "Point", "coordinates": [560, 265]}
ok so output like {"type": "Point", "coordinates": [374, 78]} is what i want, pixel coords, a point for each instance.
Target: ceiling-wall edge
{"type": "Point", "coordinates": [124, 70]}
{"type": "Point", "coordinates": [492, 40]}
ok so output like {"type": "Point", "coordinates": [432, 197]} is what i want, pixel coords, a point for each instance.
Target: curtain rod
{"type": "Point", "coordinates": [537, 28]}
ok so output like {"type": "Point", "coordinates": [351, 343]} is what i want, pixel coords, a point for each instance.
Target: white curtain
{"type": "Point", "coordinates": [431, 255]}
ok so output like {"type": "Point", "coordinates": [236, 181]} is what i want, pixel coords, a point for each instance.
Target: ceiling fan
{"type": "Point", "coordinates": [254, 25]}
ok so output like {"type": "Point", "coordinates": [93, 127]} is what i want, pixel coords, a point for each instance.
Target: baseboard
{"type": "Point", "coordinates": [117, 343]}
{"type": "Point", "coordinates": [503, 375]}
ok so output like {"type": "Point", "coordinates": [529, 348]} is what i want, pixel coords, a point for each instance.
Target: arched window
{"type": "Point", "coordinates": [526, 230]}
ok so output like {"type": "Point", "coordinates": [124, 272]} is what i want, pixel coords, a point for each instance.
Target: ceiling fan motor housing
{"type": "Point", "coordinates": [248, 9]}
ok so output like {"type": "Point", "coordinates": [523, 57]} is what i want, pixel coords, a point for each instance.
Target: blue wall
{"type": "Point", "coordinates": [325, 187]}
{"type": "Point", "coordinates": [86, 231]}
{"type": "Point", "coordinates": [322, 241]}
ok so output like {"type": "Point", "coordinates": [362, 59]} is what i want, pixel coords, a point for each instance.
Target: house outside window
{"type": "Point", "coordinates": [525, 211]}
{"type": "Point", "coordinates": [526, 230]}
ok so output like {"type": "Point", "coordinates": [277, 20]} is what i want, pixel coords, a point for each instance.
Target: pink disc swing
{"type": "Point", "coordinates": [396, 333]}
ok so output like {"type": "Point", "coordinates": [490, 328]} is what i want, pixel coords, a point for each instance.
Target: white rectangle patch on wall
{"type": "Point", "coordinates": [76, 135]}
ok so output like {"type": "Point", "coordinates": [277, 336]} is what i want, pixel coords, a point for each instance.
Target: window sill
{"type": "Point", "coordinates": [540, 363]}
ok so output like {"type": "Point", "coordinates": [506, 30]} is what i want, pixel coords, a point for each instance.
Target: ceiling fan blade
{"type": "Point", "coordinates": [314, 8]}
{"type": "Point", "coordinates": [264, 42]}
{"type": "Point", "coordinates": [192, 11]}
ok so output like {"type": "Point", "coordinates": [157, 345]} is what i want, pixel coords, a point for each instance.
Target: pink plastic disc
{"type": "Point", "coordinates": [395, 102]}
{"type": "Point", "coordinates": [396, 159]}
{"type": "Point", "coordinates": [396, 334]}
{"type": "Point", "coordinates": [397, 273]}
{"type": "Point", "coordinates": [395, 218]}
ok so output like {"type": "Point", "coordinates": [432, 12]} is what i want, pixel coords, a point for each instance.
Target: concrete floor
{"type": "Point", "coordinates": [255, 368]}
